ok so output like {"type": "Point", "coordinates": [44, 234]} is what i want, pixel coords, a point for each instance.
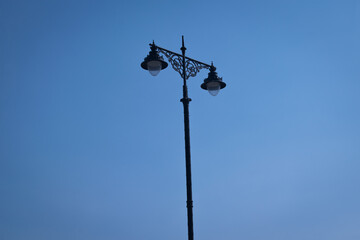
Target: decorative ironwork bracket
{"type": "Point", "coordinates": [192, 67]}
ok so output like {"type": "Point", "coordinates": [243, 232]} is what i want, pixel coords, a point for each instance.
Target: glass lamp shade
{"type": "Point", "coordinates": [154, 67]}
{"type": "Point", "coordinates": [213, 88]}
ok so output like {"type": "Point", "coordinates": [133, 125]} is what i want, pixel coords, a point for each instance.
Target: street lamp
{"type": "Point", "coordinates": [186, 67]}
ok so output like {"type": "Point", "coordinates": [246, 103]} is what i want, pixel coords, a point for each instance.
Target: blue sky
{"type": "Point", "coordinates": [92, 147]}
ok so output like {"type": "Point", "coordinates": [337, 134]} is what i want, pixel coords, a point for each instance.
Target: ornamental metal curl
{"type": "Point", "coordinates": [174, 60]}
{"type": "Point", "coordinates": [191, 67]}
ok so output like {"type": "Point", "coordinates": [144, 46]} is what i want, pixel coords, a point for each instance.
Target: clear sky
{"type": "Point", "coordinates": [92, 146]}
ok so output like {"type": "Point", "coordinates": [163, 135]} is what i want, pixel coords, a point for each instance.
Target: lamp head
{"type": "Point", "coordinates": [153, 62]}
{"type": "Point", "coordinates": [213, 83]}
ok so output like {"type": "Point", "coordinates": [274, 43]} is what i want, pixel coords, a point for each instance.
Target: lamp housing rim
{"type": "Point", "coordinates": [144, 64]}
{"type": "Point", "coordinates": [204, 84]}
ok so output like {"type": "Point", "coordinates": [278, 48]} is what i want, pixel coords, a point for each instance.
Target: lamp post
{"type": "Point", "coordinates": [186, 67]}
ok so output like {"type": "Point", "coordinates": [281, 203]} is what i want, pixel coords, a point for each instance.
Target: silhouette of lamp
{"type": "Point", "coordinates": [213, 83]}
{"type": "Point", "coordinates": [186, 67]}
{"type": "Point", "coordinates": [153, 62]}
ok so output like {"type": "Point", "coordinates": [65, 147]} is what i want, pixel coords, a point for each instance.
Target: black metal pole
{"type": "Point", "coordinates": [185, 100]}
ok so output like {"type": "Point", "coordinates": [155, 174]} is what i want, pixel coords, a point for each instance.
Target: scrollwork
{"type": "Point", "coordinates": [191, 67]}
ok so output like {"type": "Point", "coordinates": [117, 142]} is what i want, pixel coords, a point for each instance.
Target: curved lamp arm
{"type": "Point", "coordinates": [192, 66]}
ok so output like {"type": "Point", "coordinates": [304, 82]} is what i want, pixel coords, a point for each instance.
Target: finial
{"type": "Point", "coordinates": [183, 48]}
{"type": "Point", "coordinates": [212, 68]}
